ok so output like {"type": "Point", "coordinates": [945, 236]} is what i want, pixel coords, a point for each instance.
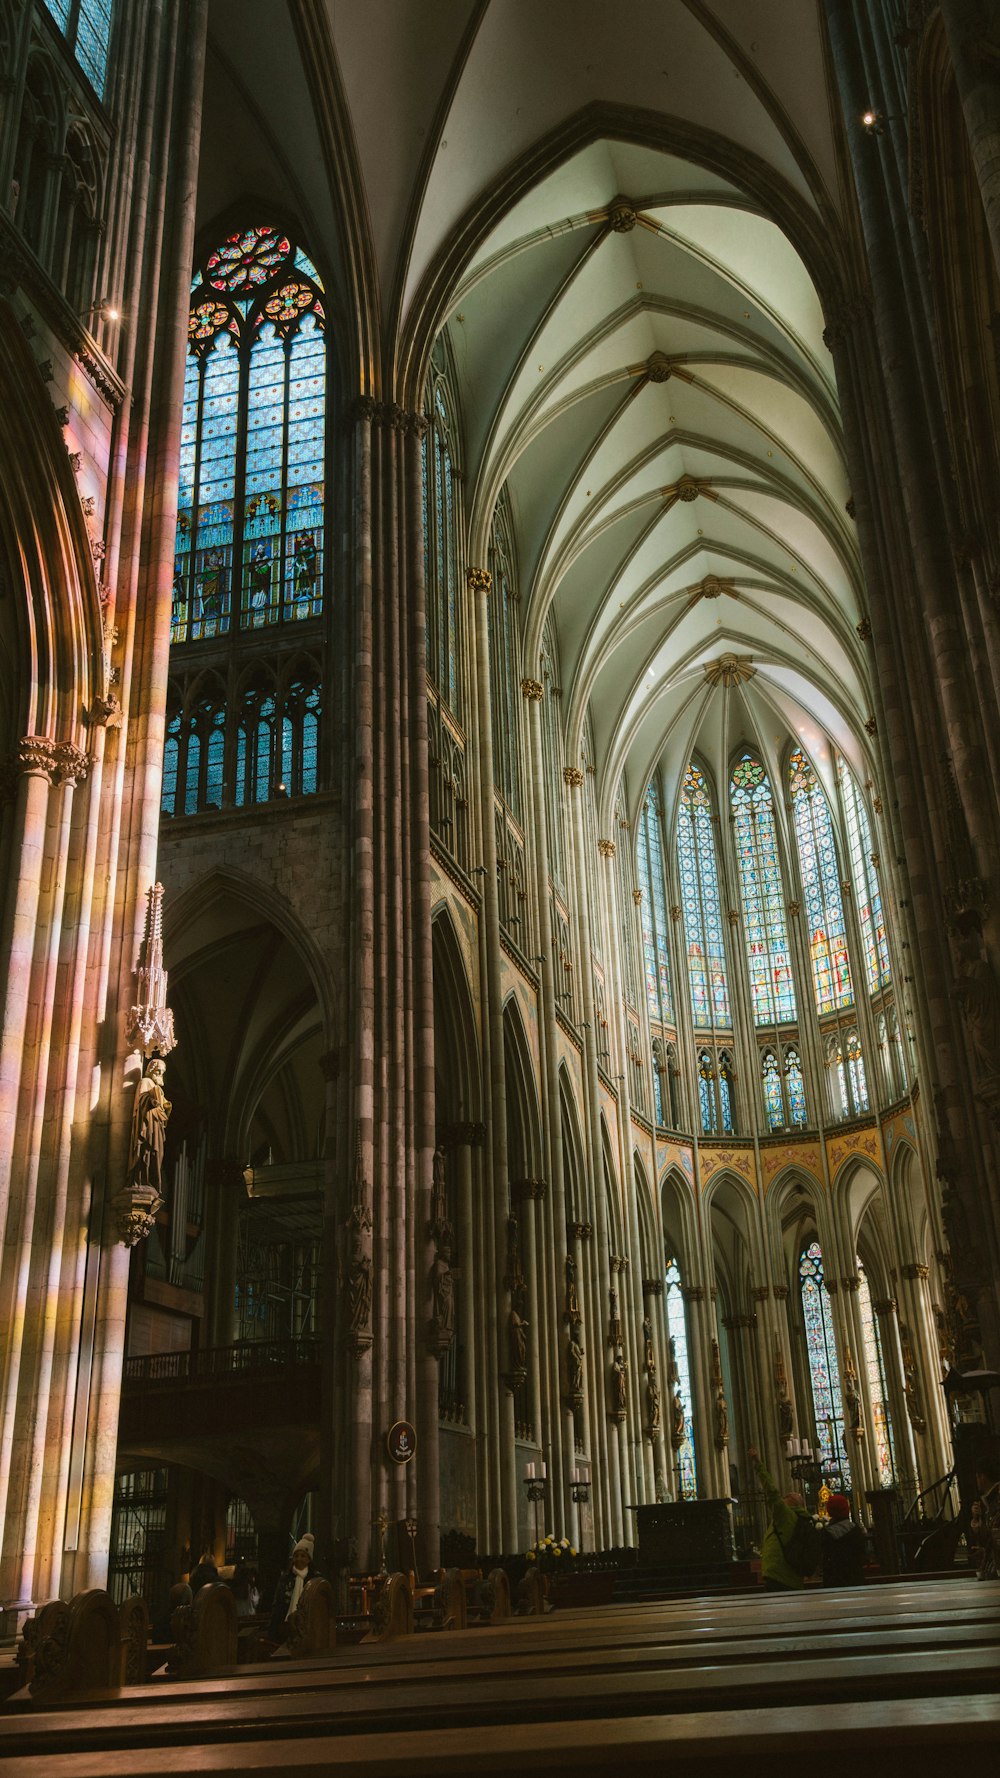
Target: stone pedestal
{"type": "Point", "coordinates": [685, 1534]}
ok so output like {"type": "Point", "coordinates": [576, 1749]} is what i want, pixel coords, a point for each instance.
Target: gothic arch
{"type": "Point", "coordinates": [648, 1257]}
{"type": "Point", "coordinates": [456, 1037]}
{"type": "Point", "coordinates": [58, 642]}
{"type": "Point", "coordinates": [524, 1143]}
{"type": "Point", "coordinates": [576, 1184]}
{"type": "Point", "coordinates": [678, 1217]}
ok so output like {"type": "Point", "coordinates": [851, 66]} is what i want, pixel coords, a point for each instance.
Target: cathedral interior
{"type": "Point", "coordinates": [499, 832]}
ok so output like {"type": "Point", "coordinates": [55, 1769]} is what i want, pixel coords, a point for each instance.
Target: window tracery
{"type": "Point", "coordinates": [250, 521]}
{"type": "Point", "coordinates": [85, 26]}
{"type": "Point", "coordinates": [684, 1455]}
{"type": "Point", "coordinates": [655, 929]}
{"type": "Point", "coordinates": [701, 904]}
{"type": "Point", "coordinates": [235, 744]}
{"type": "Point", "coordinates": [864, 876]}
{"type": "Point", "coordinates": [821, 889]}
{"type": "Point", "coordinates": [878, 1387]}
{"type": "Point", "coordinates": [824, 1370]}
{"type": "Point", "coordinates": [772, 993]}
{"type": "Point", "coordinates": [505, 658]}
{"type": "Point", "coordinates": [444, 551]}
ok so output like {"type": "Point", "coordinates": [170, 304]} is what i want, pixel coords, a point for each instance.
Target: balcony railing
{"type": "Point", "coordinates": [215, 1363]}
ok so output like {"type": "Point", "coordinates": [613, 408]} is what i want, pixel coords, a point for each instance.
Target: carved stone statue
{"type": "Point", "coordinates": [359, 1282]}
{"type": "Point", "coordinates": [574, 1366]}
{"type": "Point", "coordinates": [678, 1430]}
{"type": "Point", "coordinates": [852, 1401]}
{"type": "Point", "coordinates": [619, 1373]}
{"type": "Point", "coordinates": [572, 1313]}
{"type": "Point", "coordinates": [653, 1401]}
{"type": "Point", "coordinates": [979, 997]}
{"type": "Point", "coordinates": [518, 1342]}
{"type": "Point", "coordinates": [649, 1353]}
{"type": "Point", "coordinates": [721, 1420]}
{"type": "Point", "coordinates": [149, 1128]}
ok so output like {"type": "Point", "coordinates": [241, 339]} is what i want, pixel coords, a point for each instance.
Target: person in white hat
{"type": "Point", "coordinates": [290, 1584]}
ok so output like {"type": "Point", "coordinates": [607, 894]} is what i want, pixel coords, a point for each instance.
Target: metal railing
{"type": "Point", "coordinates": [215, 1363]}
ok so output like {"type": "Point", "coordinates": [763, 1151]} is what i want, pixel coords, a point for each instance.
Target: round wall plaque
{"type": "Point", "coordinates": [401, 1442]}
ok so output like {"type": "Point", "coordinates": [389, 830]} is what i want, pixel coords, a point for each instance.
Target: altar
{"type": "Point", "coordinates": [681, 1534]}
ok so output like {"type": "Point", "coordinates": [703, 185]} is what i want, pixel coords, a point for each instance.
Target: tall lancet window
{"type": "Point", "coordinates": [685, 1478]}
{"type": "Point", "coordinates": [86, 26]}
{"type": "Point", "coordinates": [251, 499]}
{"type": "Point", "coordinates": [824, 907]}
{"type": "Point", "coordinates": [867, 896]}
{"type": "Point", "coordinates": [505, 657]}
{"type": "Point", "coordinates": [824, 1371]}
{"type": "Point", "coordinates": [655, 939]}
{"type": "Point", "coordinates": [878, 1385]}
{"type": "Point", "coordinates": [700, 902]}
{"type": "Point", "coordinates": [444, 552]}
{"type": "Point", "coordinates": [772, 995]}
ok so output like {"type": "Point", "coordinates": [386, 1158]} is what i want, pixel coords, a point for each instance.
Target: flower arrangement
{"type": "Point", "coordinates": [552, 1555]}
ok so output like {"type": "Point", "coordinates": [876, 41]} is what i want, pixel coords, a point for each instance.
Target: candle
{"type": "Point", "coordinates": [530, 1472]}
{"type": "Point", "coordinates": [543, 1472]}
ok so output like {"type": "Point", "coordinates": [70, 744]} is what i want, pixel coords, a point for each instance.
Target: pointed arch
{"type": "Point", "coordinates": [457, 1056]}
{"type": "Point", "coordinates": [524, 1142]}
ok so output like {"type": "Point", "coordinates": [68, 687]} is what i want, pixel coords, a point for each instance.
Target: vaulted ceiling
{"type": "Point", "coordinates": [624, 217]}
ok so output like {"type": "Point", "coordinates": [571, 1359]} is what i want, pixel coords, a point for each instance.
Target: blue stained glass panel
{"type": "Point", "coordinates": [772, 993]}
{"type": "Point", "coordinates": [795, 1086]}
{"type": "Point", "coordinates": [824, 907]}
{"type": "Point", "coordinates": [865, 879]}
{"type": "Point", "coordinates": [824, 1371]}
{"type": "Point", "coordinates": [773, 1101]}
{"type": "Point", "coordinates": [684, 1458]}
{"type": "Point", "coordinates": [655, 940]}
{"type": "Point", "coordinates": [60, 11]}
{"type": "Point", "coordinates": [214, 760]}
{"type": "Point", "coordinates": [93, 36]}
{"type": "Point", "coordinates": [171, 751]}
{"type": "Point", "coordinates": [193, 772]}
{"type": "Point", "coordinates": [701, 904]}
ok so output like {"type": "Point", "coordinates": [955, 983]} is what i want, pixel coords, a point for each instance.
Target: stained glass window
{"type": "Point", "coordinates": [727, 1093]}
{"type": "Point", "coordinates": [677, 1330]}
{"type": "Point", "coordinates": [250, 521]}
{"type": "Point", "coordinates": [897, 1048]}
{"type": "Point", "coordinates": [700, 901]}
{"type": "Point", "coordinates": [795, 1085]}
{"type": "Point", "coordinates": [821, 892]}
{"type": "Point", "coordinates": [772, 994]}
{"type": "Point", "coordinates": [443, 551]}
{"type": "Point", "coordinates": [86, 26]}
{"type": "Point", "coordinates": [856, 1071]}
{"type": "Point", "coordinates": [773, 1102]}
{"type": "Point", "coordinates": [505, 658]}
{"type": "Point", "coordinates": [655, 938]}
{"type": "Point", "coordinates": [878, 1387]}
{"type": "Point", "coordinates": [824, 1371]}
{"type": "Point", "coordinates": [706, 1093]}
{"type": "Point", "coordinates": [865, 878]}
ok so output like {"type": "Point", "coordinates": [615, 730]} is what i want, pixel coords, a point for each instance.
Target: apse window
{"type": "Point", "coordinates": [85, 26]}
{"type": "Point", "coordinates": [251, 502]}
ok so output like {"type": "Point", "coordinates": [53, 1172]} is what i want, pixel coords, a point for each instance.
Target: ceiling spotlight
{"type": "Point", "coordinates": [873, 122]}
{"type": "Point", "coordinates": [105, 309]}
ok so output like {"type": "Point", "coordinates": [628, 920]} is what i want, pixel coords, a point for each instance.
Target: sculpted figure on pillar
{"type": "Point", "coordinates": [677, 1427]}
{"type": "Point", "coordinates": [619, 1381]}
{"type": "Point", "coordinates": [978, 994]}
{"type": "Point", "coordinates": [652, 1404]}
{"type": "Point", "coordinates": [359, 1278]}
{"type": "Point", "coordinates": [518, 1343]}
{"type": "Point", "coordinates": [572, 1310]}
{"type": "Point", "coordinates": [149, 1128]}
{"type": "Point", "coordinates": [574, 1369]}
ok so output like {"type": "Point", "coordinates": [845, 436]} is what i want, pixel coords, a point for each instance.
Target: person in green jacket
{"type": "Point", "coordinates": [777, 1574]}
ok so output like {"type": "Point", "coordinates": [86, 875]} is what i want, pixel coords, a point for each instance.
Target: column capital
{"type": "Point", "coordinates": [693, 1293]}
{"type": "Point", "coordinates": [916, 1270]}
{"type": "Point", "coordinates": [572, 777]}
{"type": "Point", "coordinates": [478, 580]}
{"type": "Point", "coordinates": [619, 1263]}
{"type": "Point", "coordinates": [652, 1287]}
{"type": "Point", "coordinates": [886, 1305]}
{"type": "Point", "coordinates": [831, 1285]}
{"type": "Point", "coordinates": [760, 1293]}
{"type": "Point", "coordinates": [465, 1135]}
{"type": "Point", "coordinates": [582, 1231]}
{"type": "Point", "coordinates": [528, 1188]}
{"type": "Point", "coordinates": [637, 897]}
{"type": "Point", "coordinates": [58, 761]}
{"type": "Point", "coordinates": [606, 848]}
{"type": "Point", "coordinates": [781, 1293]}
{"type": "Point", "coordinates": [533, 690]}
{"type": "Point", "coordinates": [851, 1282]}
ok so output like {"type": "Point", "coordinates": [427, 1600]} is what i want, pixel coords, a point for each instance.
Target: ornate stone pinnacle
{"type": "Point", "coordinates": [151, 1022]}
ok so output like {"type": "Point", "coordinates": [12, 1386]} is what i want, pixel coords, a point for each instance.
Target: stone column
{"type": "Point", "coordinates": [904, 1448]}
{"type": "Point", "coordinates": [973, 31]}
{"type": "Point", "coordinates": [506, 1481]}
